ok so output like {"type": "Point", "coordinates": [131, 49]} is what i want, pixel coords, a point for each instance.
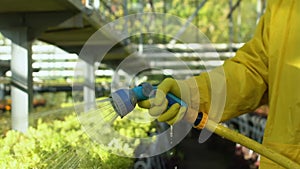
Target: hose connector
{"type": "Point", "coordinates": [201, 121]}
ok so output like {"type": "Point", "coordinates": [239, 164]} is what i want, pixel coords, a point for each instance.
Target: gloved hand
{"type": "Point", "coordinates": [186, 90]}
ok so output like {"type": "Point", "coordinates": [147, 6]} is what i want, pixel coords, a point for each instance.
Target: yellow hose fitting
{"type": "Point", "coordinates": [201, 121]}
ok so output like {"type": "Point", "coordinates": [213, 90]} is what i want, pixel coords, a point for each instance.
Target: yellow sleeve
{"type": "Point", "coordinates": [246, 76]}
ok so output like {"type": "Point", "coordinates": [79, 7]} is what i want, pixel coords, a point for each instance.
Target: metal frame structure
{"type": "Point", "coordinates": [23, 22]}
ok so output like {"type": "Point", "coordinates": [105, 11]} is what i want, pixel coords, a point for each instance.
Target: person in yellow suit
{"type": "Point", "coordinates": [268, 63]}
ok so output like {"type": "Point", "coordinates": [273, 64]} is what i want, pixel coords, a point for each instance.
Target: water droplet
{"type": "Point", "coordinates": [171, 134]}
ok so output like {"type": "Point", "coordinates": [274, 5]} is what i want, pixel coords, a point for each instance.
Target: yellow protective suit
{"type": "Point", "coordinates": [269, 63]}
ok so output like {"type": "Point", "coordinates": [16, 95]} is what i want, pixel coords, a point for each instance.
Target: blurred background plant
{"type": "Point", "coordinates": [212, 19]}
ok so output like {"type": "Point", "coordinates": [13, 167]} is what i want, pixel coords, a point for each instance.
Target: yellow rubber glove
{"type": "Point", "coordinates": [186, 90]}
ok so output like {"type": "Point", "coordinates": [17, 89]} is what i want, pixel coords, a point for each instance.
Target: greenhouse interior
{"type": "Point", "coordinates": [72, 71]}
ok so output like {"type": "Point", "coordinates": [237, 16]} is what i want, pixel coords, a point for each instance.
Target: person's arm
{"type": "Point", "coordinates": [246, 75]}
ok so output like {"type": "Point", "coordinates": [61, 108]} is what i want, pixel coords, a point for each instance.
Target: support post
{"type": "Point", "coordinates": [21, 68]}
{"type": "Point", "coordinates": [259, 10]}
{"type": "Point", "coordinates": [89, 84]}
{"type": "Point", "coordinates": [230, 27]}
{"type": "Point", "coordinates": [140, 49]}
{"type": "Point", "coordinates": [2, 89]}
{"type": "Point", "coordinates": [125, 9]}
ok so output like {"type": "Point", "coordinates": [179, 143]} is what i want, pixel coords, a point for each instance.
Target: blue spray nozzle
{"type": "Point", "coordinates": [124, 100]}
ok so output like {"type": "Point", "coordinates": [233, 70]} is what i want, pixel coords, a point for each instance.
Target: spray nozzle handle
{"type": "Point", "coordinates": [144, 91]}
{"type": "Point", "coordinates": [172, 99]}
{"type": "Point", "coordinates": [124, 101]}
